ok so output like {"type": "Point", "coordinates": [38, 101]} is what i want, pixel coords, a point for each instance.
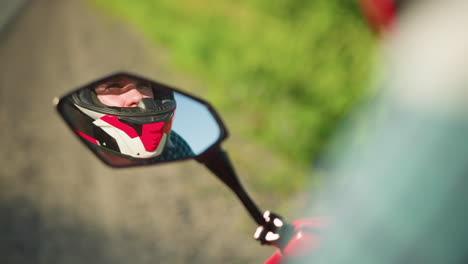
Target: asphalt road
{"type": "Point", "coordinates": [9, 9]}
{"type": "Point", "coordinates": [58, 204]}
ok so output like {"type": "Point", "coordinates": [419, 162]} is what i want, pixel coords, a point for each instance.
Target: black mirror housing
{"type": "Point", "coordinates": [127, 120]}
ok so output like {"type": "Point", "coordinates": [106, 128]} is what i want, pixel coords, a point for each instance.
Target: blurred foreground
{"type": "Point", "coordinates": [399, 196]}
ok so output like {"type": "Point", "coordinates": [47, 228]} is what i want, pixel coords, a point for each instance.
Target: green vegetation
{"type": "Point", "coordinates": [287, 71]}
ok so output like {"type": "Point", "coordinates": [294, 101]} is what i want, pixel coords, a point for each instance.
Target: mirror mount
{"type": "Point", "coordinates": [218, 162]}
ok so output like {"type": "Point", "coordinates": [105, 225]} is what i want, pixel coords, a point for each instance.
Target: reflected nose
{"type": "Point", "coordinates": [132, 96]}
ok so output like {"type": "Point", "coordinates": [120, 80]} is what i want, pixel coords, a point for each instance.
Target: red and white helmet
{"type": "Point", "coordinates": [130, 132]}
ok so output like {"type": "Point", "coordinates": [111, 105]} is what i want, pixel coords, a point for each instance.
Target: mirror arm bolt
{"type": "Point", "coordinates": [275, 231]}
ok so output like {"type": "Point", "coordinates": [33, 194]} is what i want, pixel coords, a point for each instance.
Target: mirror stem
{"type": "Point", "coordinates": [218, 162]}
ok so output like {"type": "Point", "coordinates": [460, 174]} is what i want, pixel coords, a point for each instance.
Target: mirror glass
{"type": "Point", "coordinates": [127, 120]}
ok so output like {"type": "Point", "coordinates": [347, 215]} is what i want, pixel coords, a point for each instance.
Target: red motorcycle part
{"type": "Point", "coordinates": [304, 242]}
{"type": "Point", "coordinates": [380, 14]}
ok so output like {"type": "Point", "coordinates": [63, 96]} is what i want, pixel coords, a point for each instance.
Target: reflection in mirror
{"type": "Point", "coordinates": [127, 120]}
{"type": "Point", "coordinates": [195, 123]}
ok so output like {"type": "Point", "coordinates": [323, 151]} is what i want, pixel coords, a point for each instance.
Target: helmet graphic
{"type": "Point", "coordinates": [137, 132]}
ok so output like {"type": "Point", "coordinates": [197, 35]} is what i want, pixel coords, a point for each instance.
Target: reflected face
{"type": "Point", "coordinates": [123, 91]}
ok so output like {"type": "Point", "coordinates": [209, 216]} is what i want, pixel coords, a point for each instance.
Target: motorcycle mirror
{"type": "Point", "coordinates": [128, 120]}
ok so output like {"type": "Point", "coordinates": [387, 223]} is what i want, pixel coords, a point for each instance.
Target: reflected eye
{"type": "Point", "coordinates": [113, 85]}
{"type": "Point", "coordinates": [145, 89]}
{"type": "Point", "coordinates": [121, 87]}
{"type": "Point", "coordinates": [111, 88]}
{"type": "Point", "coordinates": [143, 86]}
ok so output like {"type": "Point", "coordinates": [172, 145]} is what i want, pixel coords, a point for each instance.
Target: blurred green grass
{"type": "Point", "coordinates": [283, 73]}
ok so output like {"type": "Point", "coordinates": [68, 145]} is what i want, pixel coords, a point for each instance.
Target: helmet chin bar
{"type": "Point", "coordinates": [131, 146]}
{"type": "Point", "coordinates": [129, 142]}
{"type": "Point", "coordinates": [135, 148]}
